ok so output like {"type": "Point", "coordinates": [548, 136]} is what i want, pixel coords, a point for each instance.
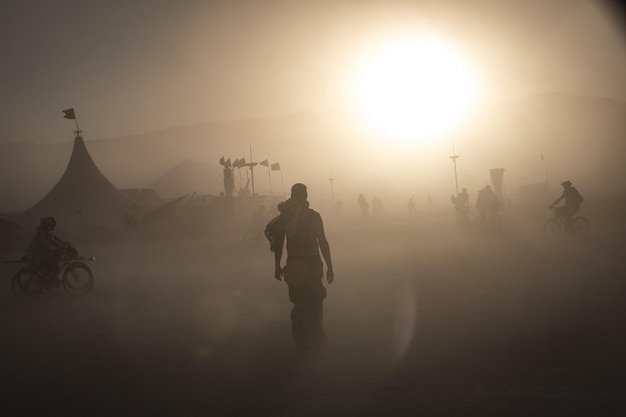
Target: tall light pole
{"type": "Point", "coordinates": [454, 158]}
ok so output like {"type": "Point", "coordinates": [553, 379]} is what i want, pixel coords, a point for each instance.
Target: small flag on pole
{"type": "Point", "coordinates": [276, 167]}
{"type": "Point", "coordinates": [227, 164]}
{"type": "Point", "coordinates": [265, 163]}
{"type": "Point", "coordinates": [69, 114]}
{"type": "Point", "coordinates": [222, 161]}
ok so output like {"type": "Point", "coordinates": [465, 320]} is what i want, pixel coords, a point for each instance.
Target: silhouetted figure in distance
{"type": "Point", "coordinates": [229, 181]}
{"type": "Point", "coordinates": [364, 206]}
{"type": "Point", "coordinates": [303, 271]}
{"type": "Point", "coordinates": [412, 208]}
{"type": "Point", "coordinates": [487, 203]}
{"type": "Point", "coordinates": [461, 202]}
{"type": "Point", "coordinates": [338, 206]}
{"type": "Point", "coordinates": [573, 200]}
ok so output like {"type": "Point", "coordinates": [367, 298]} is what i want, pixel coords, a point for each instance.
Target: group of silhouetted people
{"type": "Point", "coordinates": [488, 202]}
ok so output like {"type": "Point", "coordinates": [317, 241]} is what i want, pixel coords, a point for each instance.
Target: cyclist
{"type": "Point", "coordinates": [573, 200]}
{"type": "Point", "coordinates": [487, 203]}
{"type": "Point", "coordinates": [461, 202]}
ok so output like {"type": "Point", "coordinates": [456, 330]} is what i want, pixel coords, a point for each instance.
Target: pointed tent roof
{"type": "Point", "coordinates": [83, 195]}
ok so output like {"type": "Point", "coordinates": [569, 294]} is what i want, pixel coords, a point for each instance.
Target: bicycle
{"type": "Point", "coordinates": [77, 278]}
{"type": "Point", "coordinates": [492, 223]}
{"type": "Point", "coordinates": [554, 227]}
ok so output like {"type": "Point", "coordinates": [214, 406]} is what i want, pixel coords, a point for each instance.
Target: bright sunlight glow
{"type": "Point", "coordinates": [414, 89]}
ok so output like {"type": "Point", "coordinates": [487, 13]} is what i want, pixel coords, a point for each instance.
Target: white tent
{"type": "Point", "coordinates": [83, 197]}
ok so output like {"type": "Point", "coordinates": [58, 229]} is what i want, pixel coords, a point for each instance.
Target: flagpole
{"type": "Point", "coordinates": [71, 114]}
{"type": "Point", "coordinates": [240, 181]}
{"type": "Point", "coordinates": [282, 180]}
{"type": "Point", "coordinates": [252, 164]}
{"type": "Point", "coordinates": [78, 131]}
{"type": "Point", "coordinates": [269, 174]}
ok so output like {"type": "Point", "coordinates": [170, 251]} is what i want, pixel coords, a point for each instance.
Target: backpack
{"type": "Point", "coordinates": [576, 198]}
{"type": "Point", "coordinates": [275, 229]}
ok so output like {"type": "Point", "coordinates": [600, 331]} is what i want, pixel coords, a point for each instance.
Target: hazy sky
{"type": "Point", "coordinates": [135, 66]}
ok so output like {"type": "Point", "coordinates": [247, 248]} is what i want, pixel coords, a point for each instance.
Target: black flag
{"type": "Point", "coordinates": [69, 114]}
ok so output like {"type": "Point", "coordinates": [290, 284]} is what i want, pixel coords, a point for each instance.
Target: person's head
{"type": "Point", "coordinates": [48, 222]}
{"type": "Point", "coordinates": [566, 184]}
{"type": "Point", "coordinates": [298, 192]}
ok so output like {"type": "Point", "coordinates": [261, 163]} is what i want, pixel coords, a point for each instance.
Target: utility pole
{"type": "Point", "coordinates": [454, 158]}
{"type": "Point", "coordinates": [251, 166]}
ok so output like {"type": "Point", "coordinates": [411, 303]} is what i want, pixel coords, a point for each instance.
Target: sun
{"type": "Point", "coordinates": [414, 89]}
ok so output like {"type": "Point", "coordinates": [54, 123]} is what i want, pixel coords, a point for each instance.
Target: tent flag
{"type": "Point", "coordinates": [265, 163]}
{"type": "Point", "coordinates": [69, 114]}
{"type": "Point", "coordinates": [222, 162]}
{"type": "Point", "coordinates": [276, 167]}
{"type": "Point", "coordinates": [242, 162]}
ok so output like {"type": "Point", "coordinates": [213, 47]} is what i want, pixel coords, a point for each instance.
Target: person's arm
{"type": "Point", "coordinates": [325, 249]}
{"type": "Point", "coordinates": [57, 241]}
{"type": "Point", "coordinates": [558, 200]}
{"type": "Point", "coordinates": [278, 254]}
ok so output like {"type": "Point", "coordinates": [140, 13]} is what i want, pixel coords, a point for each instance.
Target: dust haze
{"type": "Point", "coordinates": [427, 315]}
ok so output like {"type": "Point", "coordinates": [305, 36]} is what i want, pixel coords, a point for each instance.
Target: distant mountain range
{"type": "Point", "coordinates": [575, 137]}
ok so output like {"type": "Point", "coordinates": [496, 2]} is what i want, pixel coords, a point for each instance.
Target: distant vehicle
{"type": "Point", "coordinates": [76, 276]}
{"type": "Point", "coordinates": [558, 225]}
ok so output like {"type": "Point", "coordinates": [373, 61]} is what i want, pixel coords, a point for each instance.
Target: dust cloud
{"type": "Point", "coordinates": [422, 317]}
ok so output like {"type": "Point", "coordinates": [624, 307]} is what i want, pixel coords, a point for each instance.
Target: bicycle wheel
{"type": "Point", "coordinates": [580, 226]}
{"type": "Point", "coordinates": [78, 278]}
{"type": "Point", "coordinates": [552, 229]}
{"type": "Point", "coordinates": [26, 284]}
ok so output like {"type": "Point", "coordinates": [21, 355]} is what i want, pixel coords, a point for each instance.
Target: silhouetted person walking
{"type": "Point", "coordinates": [487, 203]}
{"type": "Point", "coordinates": [412, 208]}
{"type": "Point", "coordinates": [303, 271]}
{"type": "Point", "coordinates": [573, 200]}
{"type": "Point", "coordinates": [364, 206]}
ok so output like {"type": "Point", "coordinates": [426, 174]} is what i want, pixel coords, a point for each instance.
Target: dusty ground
{"type": "Point", "coordinates": [421, 320]}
